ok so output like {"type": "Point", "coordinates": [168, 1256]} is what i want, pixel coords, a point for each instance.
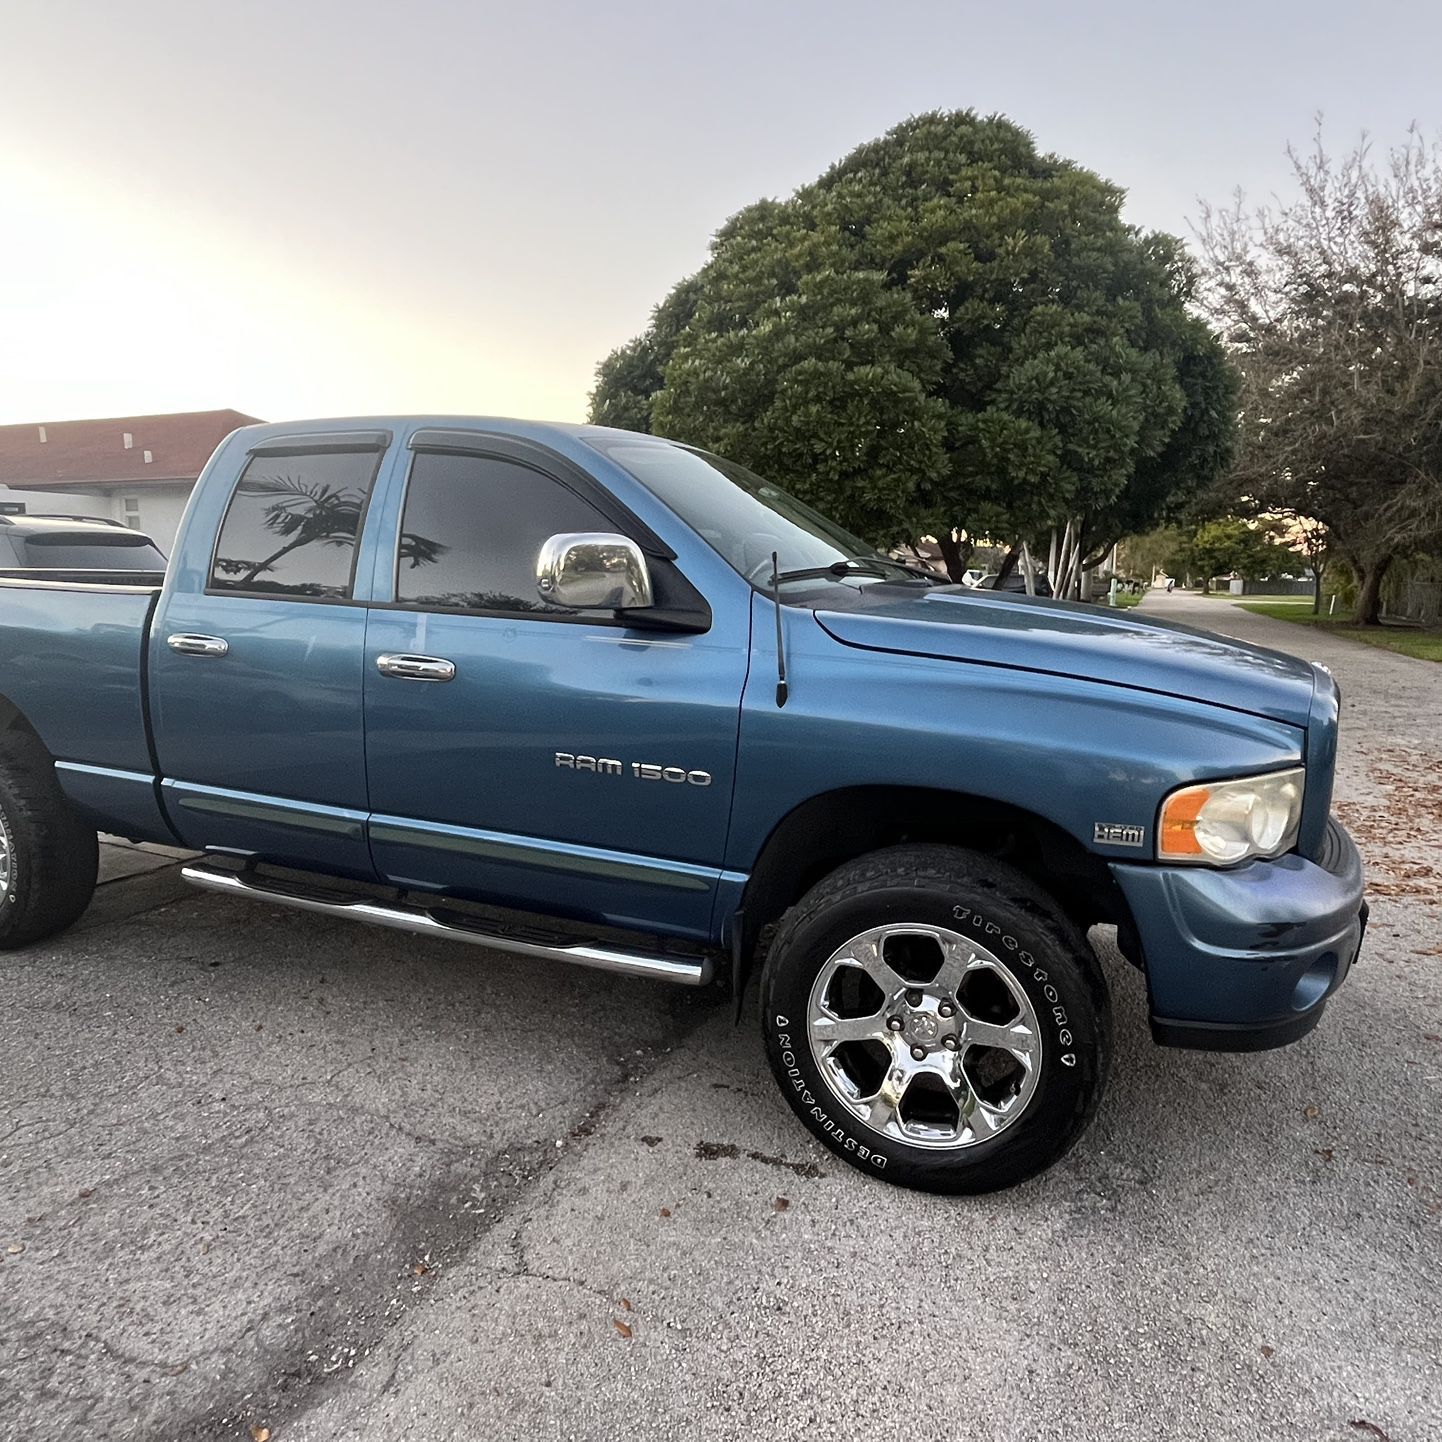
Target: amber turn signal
{"type": "Point", "coordinates": [1179, 822]}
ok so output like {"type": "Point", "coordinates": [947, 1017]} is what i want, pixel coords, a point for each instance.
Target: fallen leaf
{"type": "Point", "coordinates": [781, 1203]}
{"type": "Point", "coordinates": [1269, 1352]}
{"type": "Point", "coordinates": [652, 1141]}
{"type": "Point", "coordinates": [1324, 1152]}
{"type": "Point", "coordinates": [259, 1433]}
{"type": "Point", "coordinates": [1311, 1113]}
{"type": "Point", "coordinates": [626, 1305]}
{"type": "Point", "coordinates": [665, 1211]}
{"type": "Point", "coordinates": [259, 1026]}
{"type": "Point", "coordinates": [1431, 1036]}
{"type": "Point", "coordinates": [717, 1151]}
{"type": "Point", "coordinates": [179, 1030]}
{"type": "Point", "coordinates": [1361, 1424]}
{"type": "Point", "coordinates": [420, 1269]}
{"type": "Point", "coordinates": [87, 1191]}
{"type": "Point", "coordinates": [621, 1327]}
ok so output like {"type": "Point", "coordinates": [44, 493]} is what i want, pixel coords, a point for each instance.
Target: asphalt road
{"type": "Point", "coordinates": [261, 1171]}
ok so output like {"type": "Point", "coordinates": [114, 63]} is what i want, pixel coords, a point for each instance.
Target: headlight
{"type": "Point", "coordinates": [1226, 821]}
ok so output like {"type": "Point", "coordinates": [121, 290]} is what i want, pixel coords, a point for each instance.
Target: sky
{"type": "Point", "coordinates": [306, 208]}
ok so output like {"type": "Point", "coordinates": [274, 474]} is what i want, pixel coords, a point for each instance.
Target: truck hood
{"type": "Point", "coordinates": [1066, 638]}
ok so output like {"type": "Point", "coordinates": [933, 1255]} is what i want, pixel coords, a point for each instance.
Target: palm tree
{"type": "Point", "coordinates": [306, 515]}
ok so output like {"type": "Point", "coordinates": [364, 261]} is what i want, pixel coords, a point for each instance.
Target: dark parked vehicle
{"type": "Point", "coordinates": [1015, 584]}
{"type": "Point", "coordinates": [78, 548]}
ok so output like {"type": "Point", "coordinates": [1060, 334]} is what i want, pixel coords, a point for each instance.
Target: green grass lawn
{"type": "Point", "coordinates": [1124, 598]}
{"type": "Point", "coordinates": [1410, 641]}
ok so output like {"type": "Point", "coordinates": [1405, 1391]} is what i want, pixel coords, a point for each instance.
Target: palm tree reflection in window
{"type": "Point", "coordinates": [304, 514]}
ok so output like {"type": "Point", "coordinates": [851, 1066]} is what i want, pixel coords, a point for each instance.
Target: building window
{"type": "Point", "coordinates": [129, 440]}
{"type": "Point", "coordinates": [130, 512]}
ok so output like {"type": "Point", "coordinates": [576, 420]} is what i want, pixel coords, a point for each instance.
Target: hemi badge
{"type": "Point", "coordinates": [1113, 833]}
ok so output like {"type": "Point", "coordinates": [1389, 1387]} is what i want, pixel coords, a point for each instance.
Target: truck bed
{"type": "Point", "coordinates": [72, 659]}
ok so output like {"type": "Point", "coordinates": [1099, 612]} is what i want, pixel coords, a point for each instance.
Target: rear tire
{"type": "Point", "coordinates": [49, 856]}
{"type": "Point", "coordinates": [933, 1017]}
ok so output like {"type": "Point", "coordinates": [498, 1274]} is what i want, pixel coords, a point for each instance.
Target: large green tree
{"type": "Point", "coordinates": [1331, 303]}
{"type": "Point", "coordinates": [947, 332]}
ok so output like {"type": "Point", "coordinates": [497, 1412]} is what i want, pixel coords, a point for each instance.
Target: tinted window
{"type": "Point", "coordinates": [292, 525]}
{"type": "Point", "coordinates": [473, 528]}
{"type": "Point", "coordinates": [123, 551]}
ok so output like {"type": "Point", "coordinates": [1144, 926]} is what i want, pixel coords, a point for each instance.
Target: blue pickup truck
{"type": "Point", "coordinates": [580, 694]}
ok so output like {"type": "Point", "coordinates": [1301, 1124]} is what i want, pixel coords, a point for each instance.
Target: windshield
{"type": "Point", "coordinates": [738, 514]}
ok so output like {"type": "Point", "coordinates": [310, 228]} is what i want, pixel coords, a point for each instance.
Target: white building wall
{"type": "Point", "coordinates": [67, 503]}
{"type": "Point", "coordinates": [161, 508]}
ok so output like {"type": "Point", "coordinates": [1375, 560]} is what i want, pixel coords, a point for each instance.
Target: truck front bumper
{"type": "Point", "coordinates": [1245, 959]}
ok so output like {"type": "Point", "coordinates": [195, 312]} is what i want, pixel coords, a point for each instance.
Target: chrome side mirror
{"type": "Point", "coordinates": [593, 571]}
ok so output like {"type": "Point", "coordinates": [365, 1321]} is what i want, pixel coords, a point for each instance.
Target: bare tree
{"type": "Point", "coordinates": [1331, 305]}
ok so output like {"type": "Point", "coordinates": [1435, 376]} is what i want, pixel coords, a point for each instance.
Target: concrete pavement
{"type": "Point", "coordinates": [260, 1170]}
{"type": "Point", "coordinates": [121, 859]}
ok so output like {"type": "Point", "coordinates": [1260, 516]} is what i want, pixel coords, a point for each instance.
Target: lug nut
{"type": "Point", "coordinates": [913, 998]}
{"type": "Point", "coordinates": [894, 1023]}
{"type": "Point", "coordinates": [949, 1042]}
{"type": "Point", "coordinates": [918, 1053]}
{"type": "Point", "coordinates": [946, 1009]}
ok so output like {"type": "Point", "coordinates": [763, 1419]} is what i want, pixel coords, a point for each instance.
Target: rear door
{"type": "Point", "coordinates": [256, 672]}
{"type": "Point", "coordinates": [557, 761]}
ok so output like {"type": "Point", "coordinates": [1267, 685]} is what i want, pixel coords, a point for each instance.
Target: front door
{"type": "Point", "coordinates": [256, 663]}
{"type": "Point", "coordinates": [549, 760]}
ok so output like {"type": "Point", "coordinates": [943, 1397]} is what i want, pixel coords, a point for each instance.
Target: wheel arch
{"type": "Point", "coordinates": [834, 827]}
{"type": "Point", "coordinates": [12, 718]}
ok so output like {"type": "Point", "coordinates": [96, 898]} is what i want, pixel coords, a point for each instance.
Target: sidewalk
{"type": "Point", "coordinates": [1226, 616]}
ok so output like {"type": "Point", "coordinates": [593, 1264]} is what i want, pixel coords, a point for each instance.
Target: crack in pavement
{"type": "Point", "coordinates": [444, 1223]}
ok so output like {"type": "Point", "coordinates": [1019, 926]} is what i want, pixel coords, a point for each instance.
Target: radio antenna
{"type": "Point", "coordinates": [781, 688]}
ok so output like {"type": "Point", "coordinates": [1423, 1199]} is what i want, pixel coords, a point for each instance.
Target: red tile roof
{"type": "Point", "coordinates": [88, 453]}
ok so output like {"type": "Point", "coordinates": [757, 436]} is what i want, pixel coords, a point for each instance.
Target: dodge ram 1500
{"type": "Point", "coordinates": [587, 695]}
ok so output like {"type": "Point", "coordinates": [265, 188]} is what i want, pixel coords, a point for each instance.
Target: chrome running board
{"type": "Point", "coordinates": [687, 970]}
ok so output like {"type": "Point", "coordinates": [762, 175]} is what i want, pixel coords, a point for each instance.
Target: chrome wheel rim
{"type": "Point", "coordinates": [924, 1036]}
{"type": "Point", "coordinates": [5, 863]}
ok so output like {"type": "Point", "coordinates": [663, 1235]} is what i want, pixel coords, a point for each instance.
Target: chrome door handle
{"type": "Point", "coordinates": [416, 668]}
{"type": "Point", "coordinates": [188, 645]}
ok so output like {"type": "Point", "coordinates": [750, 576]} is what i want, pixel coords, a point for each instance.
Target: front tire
{"type": "Point", "coordinates": [934, 1018]}
{"type": "Point", "coordinates": [49, 857]}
